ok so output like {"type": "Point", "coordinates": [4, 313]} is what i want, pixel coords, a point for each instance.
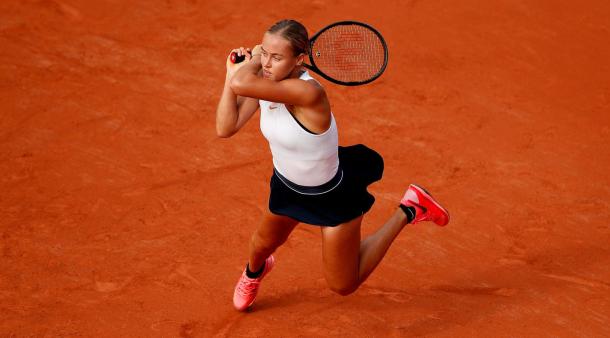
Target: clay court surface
{"type": "Point", "coordinates": [123, 215]}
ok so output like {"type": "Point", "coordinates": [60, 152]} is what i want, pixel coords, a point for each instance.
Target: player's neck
{"type": "Point", "coordinates": [297, 72]}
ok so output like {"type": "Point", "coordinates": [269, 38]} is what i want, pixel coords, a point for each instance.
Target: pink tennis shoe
{"type": "Point", "coordinates": [247, 288]}
{"type": "Point", "coordinates": [427, 208]}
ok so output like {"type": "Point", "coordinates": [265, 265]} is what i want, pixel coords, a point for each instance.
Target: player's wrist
{"type": "Point", "coordinates": [256, 60]}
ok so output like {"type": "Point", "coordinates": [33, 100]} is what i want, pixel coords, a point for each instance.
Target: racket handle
{"type": "Point", "coordinates": [236, 58]}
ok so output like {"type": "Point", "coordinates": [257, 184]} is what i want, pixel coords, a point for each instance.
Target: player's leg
{"type": "Point", "coordinates": [271, 234]}
{"type": "Point", "coordinates": [348, 261]}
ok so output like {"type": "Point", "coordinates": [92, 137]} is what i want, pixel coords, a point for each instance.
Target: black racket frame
{"type": "Point", "coordinates": [314, 68]}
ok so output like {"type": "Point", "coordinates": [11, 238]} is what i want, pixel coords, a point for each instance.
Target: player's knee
{"type": "Point", "coordinates": [343, 289]}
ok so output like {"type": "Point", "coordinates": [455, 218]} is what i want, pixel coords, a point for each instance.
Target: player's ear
{"type": "Point", "coordinates": [300, 59]}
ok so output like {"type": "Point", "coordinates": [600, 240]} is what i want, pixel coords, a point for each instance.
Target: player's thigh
{"type": "Point", "coordinates": [341, 253]}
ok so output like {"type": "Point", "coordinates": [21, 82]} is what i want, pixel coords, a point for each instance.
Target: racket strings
{"type": "Point", "coordinates": [349, 53]}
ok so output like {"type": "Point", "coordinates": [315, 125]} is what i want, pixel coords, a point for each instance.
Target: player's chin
{"type": "Point", "coordinates": [267, 75]}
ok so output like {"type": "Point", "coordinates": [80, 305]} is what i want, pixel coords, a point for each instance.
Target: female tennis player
{"type": "Point", "coordinates": [314, 181]}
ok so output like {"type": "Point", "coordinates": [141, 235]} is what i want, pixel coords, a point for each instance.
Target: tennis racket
{"type": "Point", "coordinates": [347, 53]}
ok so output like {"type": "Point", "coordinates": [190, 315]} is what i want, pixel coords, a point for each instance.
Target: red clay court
{"type": "Point", "coordinates": [123, 215]}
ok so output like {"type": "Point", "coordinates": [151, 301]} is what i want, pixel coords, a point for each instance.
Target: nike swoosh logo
{"type": "Point", "coordinates": [272, 107]}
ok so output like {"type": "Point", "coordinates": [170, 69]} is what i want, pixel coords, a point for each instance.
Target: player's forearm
{"type": "Point", "coordinates": [246, 75]}
{"type": "Point", "coordinates": [226, 112]}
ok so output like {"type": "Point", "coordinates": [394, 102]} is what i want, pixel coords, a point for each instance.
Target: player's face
{"type": "Point", "coordinates": [277, 58]}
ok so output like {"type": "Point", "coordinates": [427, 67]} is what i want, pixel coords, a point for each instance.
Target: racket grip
{"type": "Point", "coordinates": [236, 58]}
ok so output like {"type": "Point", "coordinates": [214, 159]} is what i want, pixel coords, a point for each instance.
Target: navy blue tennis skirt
{"type": "Point", "coordinates": [340, 200]}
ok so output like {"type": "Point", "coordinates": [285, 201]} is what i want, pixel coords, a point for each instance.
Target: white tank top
{"type": "Point", "coordinates": [302, 157]}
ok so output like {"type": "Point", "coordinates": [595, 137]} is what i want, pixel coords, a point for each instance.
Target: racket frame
{"type": "Point", "coordinates": [315, 69]}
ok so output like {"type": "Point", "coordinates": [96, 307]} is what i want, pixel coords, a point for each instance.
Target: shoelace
{"type": "Point", "coordinates": [247, 286]}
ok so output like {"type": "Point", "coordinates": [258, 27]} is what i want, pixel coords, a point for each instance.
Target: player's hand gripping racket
{"type": "Point", "coordinates": [348, 53]}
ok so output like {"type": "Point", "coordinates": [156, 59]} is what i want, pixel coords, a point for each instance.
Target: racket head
{"type": "Point", "coordinates": [348, 53]}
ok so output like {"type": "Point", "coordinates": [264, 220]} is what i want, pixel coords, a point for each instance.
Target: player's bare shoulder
{"type": "Point", "coordinates": [315, 87]}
